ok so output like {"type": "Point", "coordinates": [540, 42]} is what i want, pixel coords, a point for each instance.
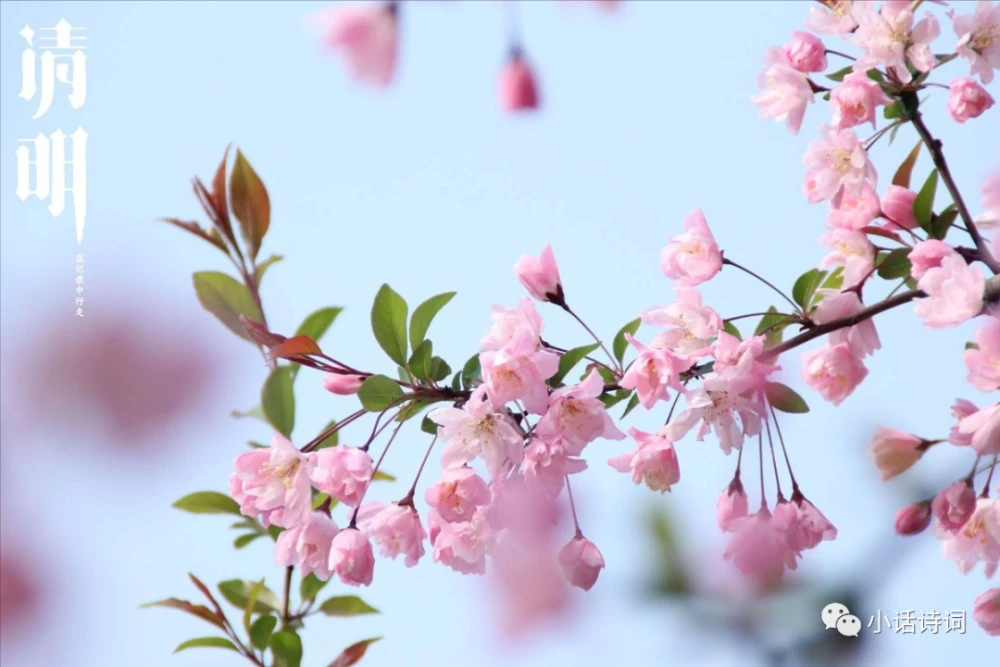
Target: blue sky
{"type": "Point", "coordinates": [429, 187]}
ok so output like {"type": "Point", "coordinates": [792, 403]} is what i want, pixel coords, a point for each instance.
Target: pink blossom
{"type": "Point", "coordinates": [979, 39]}
{"type": "Point", "coordinates": [990, 193]}
{"type": "Point", "coordinates": [953, 506]}
{"type": "Point", "coordinates": [836, 163]}
{"type": "Point", "coordinates": [342, 472]}
{"type": "Point", "coordinates": [273, 484]}
{"type": "Point", "coordinates": [853, 212]}
{"type": "Point", "coordinates": [783, 91]}
{"type": "Point", "coordinates": [517, 88]}
{"type": "Point", "coordinates": [367, 36]}
{"type": "Point", "coordinates": [928, 255]}
{"type": "Point", "coordinates": [967, 99]}
{"type": "Point", "coordinates": [351, 557]}
{"type": "Point", "coordinates": [343, 385]}
{"type": "Point", "coordinates": [308, 545]}
{"type": "Point", "coordinates": [458, 494]}
{"type": "Point", "coordinates": [731, 506]}
{"type": "Point", "coordinates": [913, 519]}
{"type": "Point", "coordinates": [547, 462]}
{"type": "Point", "coordinates": [462, 546]}
{"type": "Point", "coordinates": [715, 407]}
{"type": "Point", "coordinates": [833, 371]}
{"type": "Point", "coordinates": [804, 528]}
{"type": "Point", "coordinates": [983, 361]}
{"type": "Point", "coordinates": [738, 363]}
{"type": "Point", "coordinates": [531, 588]}
{"type": "Point", "coordinates": [954, 293]}
{"type": "Point", "coordinates": [757, 549]}
{"type": "Point", "coordinates": [983, 427]}
{"type": "Point", "coordinates": [540, 275]}
{"type": "Point", "coordinates": [691, 325]}
{"type": "Point", "coordinates": [851, 250]}
{"type": "Point", "coordinates": [986, 611]}
{"type": "Point", "coordinates": [395, 528]}
{"type": "Point", "coordinates": [518, 371]}
{"type": "Point", "coordinates": [890, 38]}
{"type": "Point", "coordinates": [959, 411]}
{"type": "Point", "coordinates": [653, 371]}
{"type": "Point", "coordinates": [581, 562]}
{"type": "Point", "coordinates": [478, 430]}
{"type": "Point", "coordinates": [977, 540]}
{"type": "Point", "coordinates": [805, 52]}
{"type": "Point", "coordinates": [855, 99]}
{"type": "Point", "coordinates": [692, 257]}
{"type": "Point", "coordinates": [653, 463]}
{"type": "Point", "coordinates": [833, 17]}
{"type": "Point", "coordinates": [863, 337]}
{"type": "Point", "coordinates": [897, 207]}
{"type": "Point", "coordinates": [894, 452]}
{"type": "Point", "coordinates": [577, 415]}
{"type": "Point", "coordinates": [507, 322]}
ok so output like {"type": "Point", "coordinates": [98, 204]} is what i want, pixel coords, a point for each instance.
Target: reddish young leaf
{"type": "Point", "coordinates": [353, 653]}
{"type": "Point", "coordinates": [884, 233]}
{"type": "Point", "coordinates": [902, 177]}
{"type": "Point", "coordinates": [219, 201]}
{"type": "Point", "coordinates": [250, 202]}
{"type": "Point", "coordinates": [294, 347]}
{"type": "Point", "coordinates": [199, 610]}
{"type": "Point", "coordinates": [209, 235]}
{"type": "Point", "coordinates": [259, 334]}
{"type": "Point", "coordinates": [207, 593]}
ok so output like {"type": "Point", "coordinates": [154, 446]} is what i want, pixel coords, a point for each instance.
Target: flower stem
{"type": "Point", "coordinates": [726, 260]}
{"type": "Point", "coordinates": [572, 508]}
{"type": "Point", "coordinates": [583, 324]}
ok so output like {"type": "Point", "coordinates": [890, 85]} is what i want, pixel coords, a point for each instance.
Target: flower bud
{"type": "Point", "coordinates": [352, 558]}
{"type": "Point", "coordinates": [986, 611]}
{"type": "Point", "coordinates": [897, 206]}
{"type": "Point", "coordinates": [805, 52]}
{"type": "Point", "coordinates": [581, 562]}
{"type": "Point", "coordinates": [967, 99]}
{"type": "Point", "coordinates": [913, 519]}
{"type": "Point", "coordinates": [540, 276]}
{"type": "Point", "coordinates": [732, 505]}
{"type": "Point", "coordinates": [517, 88]}
{"type": "Point", "coordinates": [343, 385]}
{"type": "Point", "coordinates": [954, 505]}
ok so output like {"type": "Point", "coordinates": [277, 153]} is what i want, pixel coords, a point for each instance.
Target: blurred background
{"type": "Point", "coordinates": [108, 419]}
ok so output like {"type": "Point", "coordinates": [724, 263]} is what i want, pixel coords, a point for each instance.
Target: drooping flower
{"type": "Point", "coordinates": [805, 52]}
{"type": "Point", "coordinates": [692, 257]}
{"type": "Point", "coordinates": [517, 87]}
{"type": "Point", "coordinates": [983, 361]}
{"type": "Point", "coordinates": [740, 363]}
{"type": "Point", "coordinates": [854, 213]}
{"type": "Point", "coordinates": [691, 325]}
{"type": "Point", "coordinates": [986, 611]}
{"type": "Point", "coordinates": [913, 519]}
{"type": "Point", "coordinates": [458, 494]}
{"type": "Point", "coordinates": [979, 39]}
{"type": "Point", "coordinates": [967, 99]}
{"type": "Point", "coordinates": [508, 321]}
{"type": "Point", "coordinates": [577, 416]}
{"type": "Point", "coordinates": [462, 546]}
{"type": "Point", "coordinates": [851, 250]}
{"type": "Point", "coordinates": [716, 407]}
{"type": "Point", "coordinates": [518, 371]}
{"type": "Point", "coordinates": [273, 484]}
{"type": "Point", "coordinates": [983, 430]}
{"type": "Point", "coordinates": [581, 562]}
{"type": "Point", "coordinates": [731, 506]}
{"type": "Point", "coordinates": [757, 549]}
{"type": "Point", "coordinates": [804, 528]}
{"type": "Point", "coordinates": [862, 337]}
{"type": "Point", "coordinates": [977, 540]}
{"type": "Point", "coordinates": [954, 293]}
{"type": "Point", "coordinates": [367, 35]}
{"type": "Point", "coordinates": [654, 463]}
{"type": "Point", "coordinates": [836, 162]}
{"type": "Point", "coordinates": [352, 558]}
{"type": "Point", "coordinates": [894, 451]}
{"type": "Point", "coordinates": [547, 462]}
{"type": "Point", "coordinates": [784, 92]}
{"type": "Point", "coordinates": [653, 372]}
{"type": "Point", "coordinates": [307, 545]}
{"type": "Point", "coordinates": [833, 371]}
{"type": "Point", "coordinates": [831, 17]}
{"type": "Point", "coordinates": [897, 207]}
{"type": "Point", "coordinates": [540, 275]}
{"type": "Point", "coordinates": [343, 385]}
{"type": "Point", "coordinates": [855, 100]}
{"type": "Point", "coordinates": [954, 504]}
{"type": "Point", "coordinates": [395, 528]}
{"type": "Point", "coordinates": [478, 430]}
{"type": "Point", "coordinates": [890, 38]}
{"type": "Point", "coordinates": [342, 472]}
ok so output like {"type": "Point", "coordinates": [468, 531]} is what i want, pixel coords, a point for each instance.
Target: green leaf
{"type": "Point", "coordinates": [255, 412]}
{"type": "Point", "coordinates": [471, 372]}
{"type": "Point", "coordinates": [310, 587]}
{"type": "Point", "coordinates": [940, 224]}
{"type": "Point", "coordinates": [619, 345]}
{"type": "Point", "coordinates": [353, 653]}
{"type": "Point", "coordinates": [570, 359]}
{"type": "Point", "coordinates": [274, 531]}
{"type": "Point", "coordinates": [265, 265]}
{"type": "Point", "coordinates": [875, 75]}
{"type": "Point", "coordinates": [439, 369]}
{"type": "Point", "coordinates": [424, 314]}
{"type": "Point", "coordinates": [773, 323]}
{"type": "Point", "coordinates": [237, 592]}
{"type": "Point", "coordinates": [805, 287]}
{"type": "Point", "coordinates": [227, 299]}
{"type": "Point", "coordinates": [895, 264]}
{"type": "Point", "coordinates": [383, 477]}
{"type": "Point", "coordinates": [834, 281]}
{"type": "Point", "coordinates": [634, 401]}
{"type": "Point", "coordinates": [389, 323]}
{"type": "Point", "coordinates": [894, 110]}
{"type": "Point", "coordinates": [244, 540]}
{"type": "Point", "coordinates": [206, 642]}
{"type": "Point", "coordinates": [261, 631]}
{"type": "Point", "coordinates": [784, 398]}
{"type": "Point", "coordinates": [318, 322]}
{"type": "Point", "coordinates": [250, 203]}
{"type": "Point", "coordinates": [731, 329]}
{"type": "Point", "coordinates": [923, 205]}
{"type": "Point", "coordinates": [839, 75]}
{"type": "Point", "coordinates": [615, 398]}
{"type": "Point", "coordinates": [971, 346]}
{"type": "Point", "coordinates": [427, 426]}
{"type": "Point", "coordinates": [892, 134]}
{"type": "Point", "coordinates": [378, 392]}
{"type": "Point", "coordinates": [277, 400]}
{"type": "Point", "coordinates": [905, 171]}
{"type": "Point", "coordinates": [671, 579]}
{"type": "Point", "coordinates": [331, 440]}
{"type": "Point", "coordinates": [208, 502]}
{"type": "Point", "coordinates": [347, 605]}
{"type": "Point", "coordinates": [287, 649]}
{"type": "Point", "coordinates": [420, 361]}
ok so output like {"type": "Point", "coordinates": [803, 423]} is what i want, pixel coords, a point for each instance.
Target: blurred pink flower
{"type": "Point", "coordinates": [967, 99]}
{"type": "Point", "coordinates": [757, 549]}
{"type": "Point", "coordinates": [983, 361]}
{"type": "Point", "coordinates": [507, 322]}
{"type": "Point", "coordinates": [977, 540]}
{"type": "Point", "coordinates": [516, 87]}
{"type": "Point", "coordinates": [581, 562]}
{"type": "Point", "coordinates": [979, 38]}
{"type": "Point", "coordinates": [987, 611]}
{"type": "Point", "coordinates": [832, 17]}
{"type": "Point", "coordinates": [954, 504]}
{"type": "Point", "coordinates": [805, 52]}
{"type": "Point", "coordinates": [894, 451]}
{"type": "Point", "coordinates": [367, 37]}
{"type": "Point", "coordinates": [731, 506]}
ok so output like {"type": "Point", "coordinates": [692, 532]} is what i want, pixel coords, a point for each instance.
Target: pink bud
{"type": "Point", "coordinates": [954, 505]}
{"type": "Point", "coordinates": [517, 88]}
{"type": "Point", "coordinates": [913, 519]}
{"type": "Point", "coordinates": [581, 562]}
{"type": "Point", "coordinates": [986, 611]}
{"type": "Point", "coordinates": [540, 276]}
{"type": "Point", "coordinates": [352, 558]}
{"type": "Point", "coordinates": [897, 207]}
{"type": "Point", "coordinates": [732, 505]}
{"type": "Point", "coordinates": [967, 99]}
{"type": "Point", "coordinates": [343, 385]}
{"type": "Point", "coordinates": [805, 52]}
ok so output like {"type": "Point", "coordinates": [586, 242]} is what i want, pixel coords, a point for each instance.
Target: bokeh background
{"type": "Point", "coordinates": [428, 186]}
